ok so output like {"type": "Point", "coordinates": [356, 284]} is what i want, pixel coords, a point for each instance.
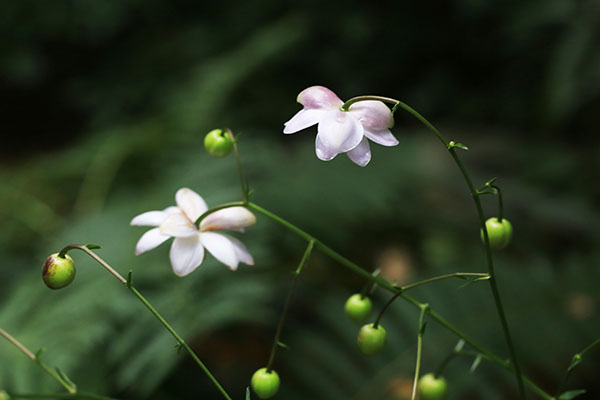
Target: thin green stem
{"type": "Point", "coordinates": [236, 153]}
{"type": "Point", "coordinates": [79, 395]}
{"type": "Point", "coordinates": [440, 369]}
{"type": "Point", "coordinates": [441, 277]}
{"type": "Point", "coordinates": [492, 280]}
{"type": "Point", "coordinates": [419, 349]}
{"type": "Point", "coordinates": [288, 301]}
{"type": "Point", "coordinates": [500, 202]}
{"type": "Point", "coordinates": [394, 289]}
{"type": "Point", "coordinates": [475, 195]}
{"type": "Point", "coordinates": [385, 307]}
{"type": "Point", "coordinates": [128, 283]}
{"type": "Point", "coordinates": [70, 387]}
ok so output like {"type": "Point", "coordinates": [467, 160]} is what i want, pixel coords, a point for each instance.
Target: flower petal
{"type": "Point", "coordinates": [303, 119]}
{"type": "Point", "coordinates": [383, 137]}
{"type": "Point", "coordinates": [186, 254]}
{"type": "Point", "coordinates": [150, 218]}
{"type": "Point", "coordinates": [372, 114]}
{"type": "Point", "coordinates": [361, 154]}
{"type": "Point", "coordinates": [339, 132]}
{"type": "Point", "coordinates": [191, 203]}
{"type": "Point", "coordinates": [319, 97]}
{"type": "Point", "coordinates": [241, 251]}
{"type": "Point", "coordinates": [233, 218]}
{"type": "Point", "coordinates": [150, 240]}
{"type": "Point", "coordinates": [178, 225]}
{"type": "Point", "coordinates": [323, 152]}
{"type": "Point", "coordinates": [221, 248]}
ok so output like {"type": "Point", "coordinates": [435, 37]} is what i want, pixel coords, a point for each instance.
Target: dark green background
{"type": "Point", "coordinates": [104, 109]}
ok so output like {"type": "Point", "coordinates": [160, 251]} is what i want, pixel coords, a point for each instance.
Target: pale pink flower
{"type": "Point", "coordinates": [187, 250]}
{"type": "Point", "coordinates": [343, 131]}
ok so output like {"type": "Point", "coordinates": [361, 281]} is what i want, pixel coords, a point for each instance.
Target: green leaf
{"type": "Point", "coordinates": [490, 182]}
{"type": "Point", "coordinates": [248, 393]}
{"type": "Point", "coordinates": [461, 146]}
{"type": "Point", "coordinates": [283, 345]}
{"type": "Point", "coordinates": [93, 246]}
{"type": "Point", "coordinates": [475, 364]}
{"type": "Point", "coordinates": [459, 346]}
{"type": "Point", "coordinates": [422, 330]}
{"type": "Point", "coordinates": [129, 279]}
{"type": "Point", "coordinates": [571, 394]}
{"type": "Point", "coordinates": [65, 378]}
{"type": "Point", "coordinates": [38, 354]}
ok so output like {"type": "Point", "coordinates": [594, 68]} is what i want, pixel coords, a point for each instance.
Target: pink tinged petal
{"type": "Point", "coordinates": [303, 119]}
{"type": "Point", "coordinates": [372, 114]}
{"type": "Point", "coordinates": [323, 152]}
{"type": "Point", "coordinates": [191, 203]}
{"type": "Point", "coordinates": [241, 251]}
{"type": "Point", "coordinates": [234, 218]}
{"type": "Point", "coordinates": [384, 137]}
{"type": "Point", "coordinates": [339, 132]}
{"type": "Point", "coordinates": [186, 254]}
{"type": "Point", "coordinates": [221, 248]}
{"type": "Point", "coordinates": [319, 97]}
{"type": "Point", "coordinates": [361, 154]}
{"type": "Point", "coordinates": [150, 218]}
{"type": "Point", "coordinates": [178, 225]}
{"type": "Point", "coordinates": [150, 240]}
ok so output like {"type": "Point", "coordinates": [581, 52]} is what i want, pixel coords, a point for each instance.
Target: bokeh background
{"type": "Point", "coordinates": [104, 108]}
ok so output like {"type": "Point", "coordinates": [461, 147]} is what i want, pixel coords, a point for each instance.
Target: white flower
{"type": "Point", "coordinates": [187, 250]}
{"type": "Point", "coordinates": [343, 131]}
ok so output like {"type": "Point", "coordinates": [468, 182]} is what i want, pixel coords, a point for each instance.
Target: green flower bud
{"type": "Point", "coordinates": [58, 272]}
{"type": "Point", "coordinates": [218, 143]}
{"type": "Point", "coordinates": [4, 395]}
{"type": "Point", "coordinates": [358, 308]}
{"type": "Point", "coordinates": [500, 233]}
{"type": "Point", "coordinates": [432, 388]}
{"type": "Point", "coordinates": [371, 340]}
{"type": "Point", "coordinates": [265, 383]}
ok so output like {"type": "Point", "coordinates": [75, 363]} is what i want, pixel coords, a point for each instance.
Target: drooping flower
{"type": "Point", "coordinates": [187, 250]}
{"type": "Point", "coordinates": [341, 131]}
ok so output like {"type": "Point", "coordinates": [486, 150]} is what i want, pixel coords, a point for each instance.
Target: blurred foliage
{"type": "Point", "coordinates": [104, 109]}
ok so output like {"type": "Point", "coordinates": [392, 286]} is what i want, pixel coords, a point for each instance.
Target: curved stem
{"type": "Point", "coordinates": [217, 208]}
{"type": "Point", "coordinates": [394, 289]}
{"type": "Point", "coordinates": [69, 386]}
{"type": "Point", "coordinates": [500, 202]}
{"type": "Point", "coordinates": [128, 283]}
{"type": "Point", "coordinates": [419, 349]}
{"type": "Point", "coordinates": [441, 277]}
{"type": "Point", "coordinates": [575, 362]}
{"type": "Point", "coordinates": [236, 153]}
{"type": "Point", "coordinates": [288, 301]}
{"type": "Point", "coordinates": [385, 307]}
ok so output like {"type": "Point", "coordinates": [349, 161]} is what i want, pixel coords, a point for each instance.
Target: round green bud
{"type": "Point", "coordinates": [265, 383]}
{"type": "Point", "coordinates": [58, 272]}
{"type": "Point", "coordinates": [432, 388]}
{"type": "Point", "coordinates": [499, 232]}
{"type": "Point", "coordinates": [218, 143]}
{"type": "Point", "coordinates": [371, 340]}
{"type": "Point", "coordinates": [358, 308]}
{"type": "Point", "coordinates": [4, 395]}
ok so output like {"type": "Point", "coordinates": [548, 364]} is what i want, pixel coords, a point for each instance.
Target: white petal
{"type": "Point", "coordinates": [319, 97]}
{"type": "Point", "coordinates": [191, 203]}
{"type": "Point", "coordinates": [303, 119]}
{"type": "Point", "coordinates": [221, 248]}
{"type": "Point", "coordinates": [361, 154]}
{"type": "Point", "coordinates": [383, 137]}
{"type": "Point", "coordinates": [178, 225]}
{"type": "Point", "coordinates": [339, 131]}
{"type": "Point", "coordinates": [323, 152]}
{"type": "Point", "coordinates": [373, 114]}
{"type": "Point", "coordinates": [241, 251]}
{"type": "Point", "coordinates": [150, 240]}
{"type": "Point", "coordinates": [186, 255]}
{"type": "Point", "coordinates": [233, 218]}
{"type": "Point", "coordinates": [150, 218]}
